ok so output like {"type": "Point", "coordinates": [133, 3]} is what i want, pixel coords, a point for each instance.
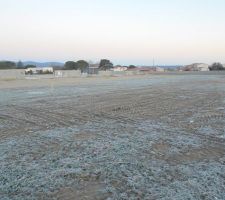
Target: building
{"type": "Point", "coordinates": [119, 69]}
{"type": "Point", "coordinates": [39, 70]}
{"type": "Point", "coordinates": [146, 69]}
{"type": "Point", "coordinates": [196, 67]}
{"type": "Point", "coordinates": [93, 69]}
{"type": "Point", "coordinates": [203, 67]}
{"type": "Point", "coordinates": [151, 69]}
{"type": "Point", "coordinates": [159, 69]}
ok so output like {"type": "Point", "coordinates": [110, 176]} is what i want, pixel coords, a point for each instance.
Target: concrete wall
{"type": "Point", "coordinates": [131, 73]}
{"type": "Point", "coordinates": [77, 73]}
{"type": "Point", "coordinates": [20, 74]}
{"type": "Point", "coordinates": [12, 74]}
{"type": "Point", "coordinates": [67, 73]}
{"type": "Point", "coordinates": [105, 73]}
{"type": "Point", "coordinates": [222, 73]}
{"type": "Point", "coordinates": [40, 76]}
{"type": "Point", "coordinates": [122, 73]}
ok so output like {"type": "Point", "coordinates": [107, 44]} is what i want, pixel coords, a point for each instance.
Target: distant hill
{"type": "Point", "coordinates": [44, 64]}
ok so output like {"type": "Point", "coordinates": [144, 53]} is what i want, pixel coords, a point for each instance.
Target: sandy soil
{"type": "Point", "coordinates": [39, 81]}
{"type": "Point", "coordinates": [144, 137]}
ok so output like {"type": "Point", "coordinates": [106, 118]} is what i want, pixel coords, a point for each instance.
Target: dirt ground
{"type": "Point", "coordinates": [143, 137]}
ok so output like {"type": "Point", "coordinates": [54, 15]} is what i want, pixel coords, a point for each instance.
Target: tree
{"type": "Point", "coordinates": [70, 65]}
{"type": "Point", "coordinates": [7, 65]}
{"type": "Point", "coordinates": [105, 64]}
{"type": "Point", "coordinates": [82, 65]}
{"type": "Point", "coordinates": [216, 67]}
{"type": "Point", "coordinates": [132, 67]}
{"type": "Point", "coordinates": [20, 65]}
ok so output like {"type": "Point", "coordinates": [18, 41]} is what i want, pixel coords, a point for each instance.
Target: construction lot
{"type": "Point", "coordinates": [142, 137]}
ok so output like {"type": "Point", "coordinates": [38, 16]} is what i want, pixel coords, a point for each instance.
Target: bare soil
{"type": "Point", "coordinates": [143, 137]}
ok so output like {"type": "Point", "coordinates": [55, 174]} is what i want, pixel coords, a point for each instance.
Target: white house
{"type": "Point", "coordinates": [197, 67]}
{"type": "Point", "coordinates": [203, 67]}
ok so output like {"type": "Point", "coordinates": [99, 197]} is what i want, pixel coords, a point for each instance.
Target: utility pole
{"type": "Point", "coordinates": [153, 62]}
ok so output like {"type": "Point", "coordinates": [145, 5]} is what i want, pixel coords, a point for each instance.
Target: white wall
{"type": "Point", "coordinates": [67, 73]}
{"type": "Point", "coordinates": [12, 74]}
{"type": "Point", "coordinates": [122, 73]}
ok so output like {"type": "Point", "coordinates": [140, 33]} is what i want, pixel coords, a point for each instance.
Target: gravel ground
{"type": "Point", "coordinates": [147, 137]}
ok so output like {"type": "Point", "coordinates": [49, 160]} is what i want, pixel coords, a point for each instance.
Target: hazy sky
{"type": "Point", "coordinates": [125, 31]}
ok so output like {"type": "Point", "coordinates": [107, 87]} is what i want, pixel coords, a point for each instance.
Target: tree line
{"type": "Point", "coordinates": [69, 65]}
{"type": "Point", "coordinates": [14, 65]}
{"type": "Point", "coordinates": [82, 65]}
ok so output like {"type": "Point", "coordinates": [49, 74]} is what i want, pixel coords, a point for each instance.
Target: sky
{"type": "Point", "coordinates": [172, 32]}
